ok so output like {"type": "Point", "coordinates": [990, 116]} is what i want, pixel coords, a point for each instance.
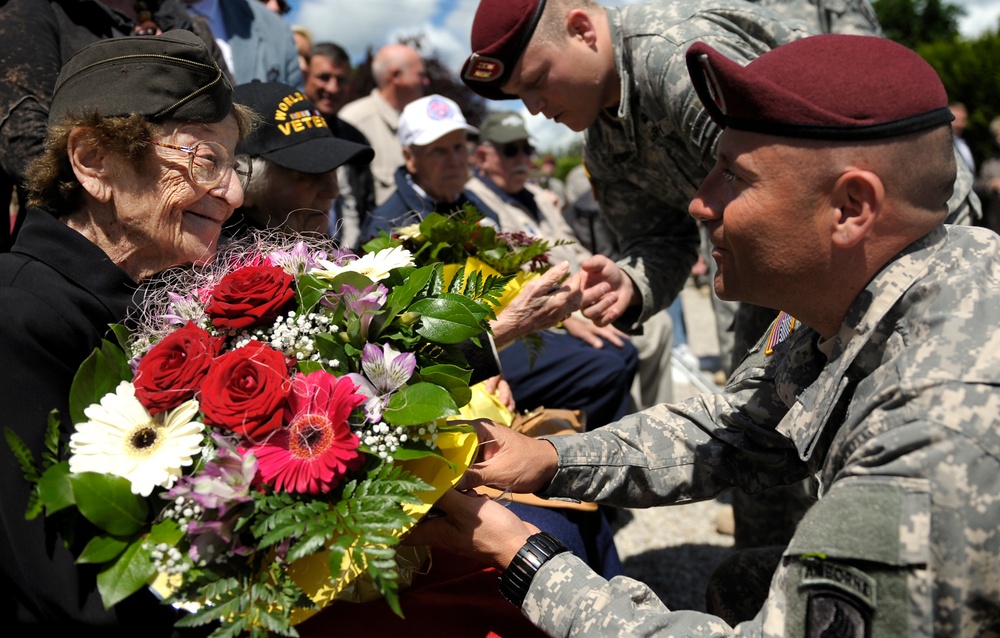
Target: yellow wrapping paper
{"type": "Point", "coordinates": [512, 290]}
{"type": "Point", "coordinates": [312, 573]}
{"type": "Point", "coordinates": [485, 405]}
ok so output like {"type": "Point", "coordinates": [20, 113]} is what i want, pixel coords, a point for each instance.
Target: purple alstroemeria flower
{"type": "Point", "coordinates": [364, 303]}
{"type": "Point", "coordinates": [184, 308]}
{"type": "Point", "coordinates": [297, 261]}
{"type": "Point", "coordinates": [385, 371]}
{"type": "Point", "coordinates": [219, 488]}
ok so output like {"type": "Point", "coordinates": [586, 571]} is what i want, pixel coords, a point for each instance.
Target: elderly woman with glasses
{"type": "Point", "coordinates": [138, 175]}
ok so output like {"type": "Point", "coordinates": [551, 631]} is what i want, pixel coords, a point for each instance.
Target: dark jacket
{"type": "Point", "coordinates": [407, 206]}
{"type": "Point", "coordinates": [59, 292]}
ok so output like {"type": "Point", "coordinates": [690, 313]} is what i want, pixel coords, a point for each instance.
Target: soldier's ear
{"type": "Point", "coordinates": [579, 24]}
{"type": "Point", "coordinates": [856, 201]}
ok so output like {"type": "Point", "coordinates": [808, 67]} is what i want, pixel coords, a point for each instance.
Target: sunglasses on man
{"type": "Point", "coordinates": [513, 148]}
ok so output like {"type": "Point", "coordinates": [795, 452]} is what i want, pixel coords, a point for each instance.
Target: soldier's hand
{"type": "Point", "coordinates": [509, 460]}
{"type": "Point", "coordinates": [472, 525]}
{"type": "Point", "coordinates": [607, 290]}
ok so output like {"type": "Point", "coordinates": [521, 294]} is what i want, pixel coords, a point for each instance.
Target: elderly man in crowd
{"type": "Point", "coordinates": [400, 78]}
{"type": "Point", "coordinates": [880, 381]}
{"type": "Point", "coordinates": [295, 158]}
{"type": "Point", "coordinates": [568, 373]}
{"type": "Point", "coordinates": [503, 165]}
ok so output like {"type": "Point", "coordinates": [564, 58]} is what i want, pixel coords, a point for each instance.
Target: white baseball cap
{"type": "Point", "coordinates": [429, 119]}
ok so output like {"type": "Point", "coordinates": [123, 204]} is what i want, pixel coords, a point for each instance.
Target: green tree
{"type": "Point", "coordinates": [968, 69]}
{"type": "Point", "coordinates": [915, 22]}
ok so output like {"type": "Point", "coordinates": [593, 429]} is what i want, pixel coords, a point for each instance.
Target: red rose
{"type": "Point", "coordinates": [172, 371]}
{"type": "Point", "coordinates": [246, 390]}
{"type": "Point", "coordinates": [250, 296]}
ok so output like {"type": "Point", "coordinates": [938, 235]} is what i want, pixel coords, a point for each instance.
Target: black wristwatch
{"type": "Point", "coordinates": [535, 552]}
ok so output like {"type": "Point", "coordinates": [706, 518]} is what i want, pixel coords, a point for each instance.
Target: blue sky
{"type": "Point", "coordinates": [445, 25]}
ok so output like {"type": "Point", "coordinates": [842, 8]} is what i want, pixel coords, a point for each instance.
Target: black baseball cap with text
{"type": "Point", "coordinates": [294, 134]}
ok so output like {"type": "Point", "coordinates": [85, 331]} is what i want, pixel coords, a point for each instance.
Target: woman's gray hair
{"type": "Point", "coordinates": [51, 182]}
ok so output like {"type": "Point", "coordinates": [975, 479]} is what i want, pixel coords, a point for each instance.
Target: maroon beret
{"type": "Point", "coordinates": [826, 87]}
{"type": "Point", "coordinates": [501, 31]}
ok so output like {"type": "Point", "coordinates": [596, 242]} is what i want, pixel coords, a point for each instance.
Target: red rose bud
{"type": "Point", "coordinates": [250, 296]}
{"type": "Point", "coordinates": [246, 390]}
{"type": "Point", "coordinates": [172, 371]}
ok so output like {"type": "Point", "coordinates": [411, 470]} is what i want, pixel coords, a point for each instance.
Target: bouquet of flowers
{"type": "Point", "coordinates": [275, 421]}
{"type": "Point", "coordinates": [473, 251]}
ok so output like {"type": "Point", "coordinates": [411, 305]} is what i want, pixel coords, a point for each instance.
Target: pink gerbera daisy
{"type": "Point", "coordinates": [317, 448]}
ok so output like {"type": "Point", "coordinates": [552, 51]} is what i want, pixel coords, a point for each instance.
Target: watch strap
{"type": "Point", "coordinates": [535, 552]}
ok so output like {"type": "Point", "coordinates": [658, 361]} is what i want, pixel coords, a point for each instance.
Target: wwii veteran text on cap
{"type": "Point", "coordinates": [294, 134]}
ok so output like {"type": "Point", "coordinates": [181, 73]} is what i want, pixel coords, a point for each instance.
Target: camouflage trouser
{"type": "Point", "coordinates": [739, 585]}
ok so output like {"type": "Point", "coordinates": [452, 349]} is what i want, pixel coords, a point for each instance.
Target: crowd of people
{"type": "Point", "coordinates": [816, 167]}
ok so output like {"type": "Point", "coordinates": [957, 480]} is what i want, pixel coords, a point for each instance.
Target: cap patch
{"type": "Point", "coordinates": [483, 69]}
{"type": "Point", "coordinates": [440, 110]}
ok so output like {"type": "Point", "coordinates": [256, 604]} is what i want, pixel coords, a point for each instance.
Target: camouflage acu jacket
{"type": "Point", "coordinates": [898, 431]}
{"type": "Point", "coordinates": [647, 160]}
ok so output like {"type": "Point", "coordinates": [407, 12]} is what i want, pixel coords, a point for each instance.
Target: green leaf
{"type": "Point", "coordinates": [452, 378]}
{"type": "Point", "coordinates": [55, 490]}
{"type": "Point", "coordinates": [309, 290]}
{"type": "Point", "coordinates": [127, 575]}
{"type": "Point", "coordinates": [401, 296]}
{"type": "Point", "coordinates": [446, 320]}
{"type": "Point", "coordinates": [53, 432]}
{"type": "Point", "coordinates": [108, 502]}
{"type": "Point", "coordinates": [99, 374]}
{"type": "Point", "coordinates": [166, 531]}
{"type": "Point", "coordinates": [350, 278]}
{"type": "Point", "coordinates": [329, 347]}
{"type": "Point", "coordinates": [101, 549]}
{"type": "Point", "coordinates": [419, 403]}
{"type": "Point", "coordinates": [381, 242]}
{"type": "Point", "coordinates": [122, 335]}
{"type": "Point", "coordinates": [23, 454]}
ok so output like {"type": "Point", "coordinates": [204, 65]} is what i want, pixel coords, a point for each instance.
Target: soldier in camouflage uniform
{"type": "Point", "coordinates": [885, 394]}
{"type": "Point", "coordinates": [649, 142]}
{"type": "Point", "coordinates": [618, 73]}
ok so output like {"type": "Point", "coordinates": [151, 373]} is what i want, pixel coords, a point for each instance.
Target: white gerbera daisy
{"type": "Point", "coordinates": [121, 438]}
{"type": "Point", "coordinates": [409, 232]}
{"type": "Point", "coordinates": [375, 266]}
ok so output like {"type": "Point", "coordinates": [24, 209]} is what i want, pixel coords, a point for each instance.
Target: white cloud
{"type": "Point", "coordinates": [358, 25]}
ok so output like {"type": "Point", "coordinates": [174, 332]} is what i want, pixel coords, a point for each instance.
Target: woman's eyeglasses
{"type": "Point", "coordinates": [209, 163]}
{"type": "Point", "coordinates": [512, 149]}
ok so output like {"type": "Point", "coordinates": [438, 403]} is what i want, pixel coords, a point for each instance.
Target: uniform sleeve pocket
{"type": "Point", "coordinates": [856, 557]}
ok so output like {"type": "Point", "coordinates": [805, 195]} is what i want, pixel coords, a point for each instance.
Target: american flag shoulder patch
{"type": "Point", "coordinates": [783, 326]}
